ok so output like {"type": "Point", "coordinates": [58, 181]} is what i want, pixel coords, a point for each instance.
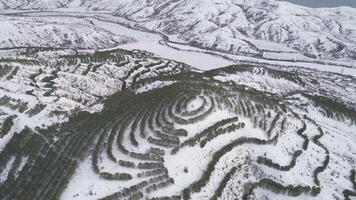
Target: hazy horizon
{"type": "Point", "coordinates": [324, 3]}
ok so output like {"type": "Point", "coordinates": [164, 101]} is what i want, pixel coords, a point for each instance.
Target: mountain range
{"type": "Point", "coordinates": [239, 27]}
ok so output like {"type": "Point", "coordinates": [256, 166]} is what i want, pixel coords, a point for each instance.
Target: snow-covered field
{"type": "Point", "coordinates": [170, 100]}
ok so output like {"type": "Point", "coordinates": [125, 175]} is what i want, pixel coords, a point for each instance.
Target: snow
{"type": "Point", "coordinates": [85, 180]}
{"type": "Point", "coordinates": [152, 43]}
{"type": "Point", "coordinates": [201, 58]}
{"type": "Point", "coordinates": [153, 85]}
{"type": "Point", "coordinates": [196, 159]}
{"type": "Point", "coordinates": [55, 32]}
{"type": "Point", "coordinates": [271, 46]}
{"type": "Point", "coordinates": [216, 26]}
{"type": "Point", "coordinates": [329, 66]}
{"type": "Point", "coordinates": [261, 83]}
{"type": "Point", "coordinates": [286, 56]}
{"type": "Point", "coordinates": [4, 173]}
{"type": "Point", "coordinates": [72, 89]}
{"type": "Point", "coordinates": [195, 103]}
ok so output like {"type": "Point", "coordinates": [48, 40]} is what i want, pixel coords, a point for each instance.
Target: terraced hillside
{"type": "Point", "coordinates": [193, 136]}
{"type": "Point", "coordinates": [122, 99]}
{"type": "Point", "coordinates": [43, 86]}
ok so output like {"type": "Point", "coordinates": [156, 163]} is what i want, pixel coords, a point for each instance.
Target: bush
{"type": "Point", "coordinates": [7, 125]}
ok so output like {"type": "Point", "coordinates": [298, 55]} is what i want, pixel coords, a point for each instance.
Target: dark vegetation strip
{"type": "Point", "coordinates": [205, 133]}
{"type": "Point", "coordinates": [273, 124]}
{"type": "Point", "coordinates": [166, 198]}
{"type": "Point", "coordinates": [278, 188]}
{"type": "Point", "coordinates": [197, 110]}
{"type": "Point", "coordinates": [35, 180]}
{"type": "Point", "coordinates": [333, 109]}
{"type": "Point", "coordinates": [134, 127]}
{"type": "Point", "coordinates": [7, 125]}
{"type": "Point", "coordinates": [36, 110]}
{"type": "Point", "coordinates": [4, 70]}
{"type": "Point", "coordinates": [270, 163]}
{"type": "Point", "coordinates": [95, 157]}
{"type": "Point", "coordinates": [223, 183]}
{"type": "Point", "coordinates": [149, 185]}
{"type": "Point", "coordinates": [348, 193]}
{"type": "Point", "coordinates": [305, 137]}
{"type": "Point", "coordinates": [197, 185]}
{"type": "Point", "coordinates": [202, 116]}
{"type": "Point", "coordinates": [220, 131]}
{"type": "Point", "coordinates": [13, 73]}
{"type": "Point", "coordinates": [113, 131]}
{"type": "Point", "coordinates": [320, 169]}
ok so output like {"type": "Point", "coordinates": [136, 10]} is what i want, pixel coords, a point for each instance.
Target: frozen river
{"type": "Point", "coordinates": [153, 43]}
{"type": "Point", "coordinates": [198, 58]}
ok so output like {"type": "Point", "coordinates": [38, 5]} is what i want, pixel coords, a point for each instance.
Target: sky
{"type": "Point", "coordinates": [324, 3]}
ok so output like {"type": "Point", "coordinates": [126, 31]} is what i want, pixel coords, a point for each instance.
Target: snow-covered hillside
{"type": "Point", "coordinates": [176, 100]}
{"type": "Point", "coordinates": [239, 132]}
{"type": "Point", "coordinates": [44, 86]}
{"type": "Point", "coordinates": [242, 26]}
{"type": "Point", "coordinates": [235, 26]}
{"type": "Point", "coordinates": [55, 32]}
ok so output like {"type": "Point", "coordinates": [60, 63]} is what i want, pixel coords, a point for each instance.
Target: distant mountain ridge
{"type": "Point", "coordinates": [55, 32]}
{"type": "Point", "coordinates": [233, 26]}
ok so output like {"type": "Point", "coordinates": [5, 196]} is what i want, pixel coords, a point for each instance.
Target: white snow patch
{"type": "Point", "coordinates": [153, 85]}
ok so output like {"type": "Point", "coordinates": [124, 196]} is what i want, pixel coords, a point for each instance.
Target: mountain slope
{"type": "Point", "coordinates": [43, 86]}
{"type": "Point", "coordinates": [235, 26]}
{"type": "Point", "coordinates": [55, 32]}
{"type": "Point", "coordinates": [201, 136]}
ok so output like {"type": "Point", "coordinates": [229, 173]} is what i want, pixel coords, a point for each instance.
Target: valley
{"type": "Point", "coordinates": [171, 100]}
